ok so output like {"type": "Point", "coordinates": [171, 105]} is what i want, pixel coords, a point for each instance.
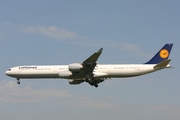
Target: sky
{"type": "Point", "coordinates": [44, 32]}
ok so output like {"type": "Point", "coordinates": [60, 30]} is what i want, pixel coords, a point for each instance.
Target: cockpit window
{"type": "Point", "coordinates": [9, 69]}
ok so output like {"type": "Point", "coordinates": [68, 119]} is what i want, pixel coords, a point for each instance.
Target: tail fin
{"type": "Point", "coordinates": [162, 55]}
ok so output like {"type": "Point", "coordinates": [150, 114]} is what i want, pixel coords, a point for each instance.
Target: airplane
{"type": "Point", "coordinates": [90, 71]}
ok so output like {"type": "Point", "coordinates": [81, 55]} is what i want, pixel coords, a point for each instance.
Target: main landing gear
{"type": "Point", "coordinates": [92, 82]}
{"type": "Point", "coordinates": [89, 79]}
{"type": "Point", "coordinates": [96, 85]}
{"type": "Point", "coordinates": [18, 81]}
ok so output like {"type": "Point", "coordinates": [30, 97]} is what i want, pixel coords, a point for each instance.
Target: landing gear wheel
{"type": "Point", "coordinates": [96, 85]}
{"type": "Point", "coordinates": [18, 82]}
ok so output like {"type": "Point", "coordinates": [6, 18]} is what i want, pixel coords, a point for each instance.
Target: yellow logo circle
{"type": "Point", "coordinates": [164, 53]}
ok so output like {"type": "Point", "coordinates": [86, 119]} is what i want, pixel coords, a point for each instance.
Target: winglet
{"type": "Point", "coordinates": [162, 64]}
{"type": "Point", "coordinates": [162, 55]}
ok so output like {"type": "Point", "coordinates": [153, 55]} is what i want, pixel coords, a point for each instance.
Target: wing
{"type": "Point", "coordinates": [88, 66]}
{"type": "Point", "coordinates": [90, 63]}
{"type": "Point", "coordinates": [86, 73]}
{"type": "Point", "coordinates": [93, 58]}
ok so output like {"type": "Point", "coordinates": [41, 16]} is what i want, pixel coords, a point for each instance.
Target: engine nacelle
{"type": "Point", "coordinates": [74, 67]}
{"type": "Point", "coordinates": [75, 82]}
{"type": "Point", "coordinates": [65, 74]}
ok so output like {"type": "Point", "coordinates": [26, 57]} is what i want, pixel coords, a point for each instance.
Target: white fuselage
{"type": "Point", "coordinates": [100, 71]}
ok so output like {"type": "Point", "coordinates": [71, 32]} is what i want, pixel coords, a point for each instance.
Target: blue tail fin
{"type": "Point", "coordinates": [163, 54]}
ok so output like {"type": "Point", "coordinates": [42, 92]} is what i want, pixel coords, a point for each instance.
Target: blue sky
{"type": "Point", "coordinates": [61, 32]}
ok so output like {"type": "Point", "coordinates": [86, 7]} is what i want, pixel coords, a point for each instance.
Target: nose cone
{"type": "Point", "coordinates": [7, 72]}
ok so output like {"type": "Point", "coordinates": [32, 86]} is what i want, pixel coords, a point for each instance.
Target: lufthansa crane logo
{"type": "Point", "coordinates": [164, 53]}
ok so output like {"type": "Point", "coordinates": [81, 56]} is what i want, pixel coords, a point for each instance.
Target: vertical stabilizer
{"type": "Point", "coordinates": [162, 55]}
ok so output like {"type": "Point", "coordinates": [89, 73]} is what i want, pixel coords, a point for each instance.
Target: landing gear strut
{"type": "Point", "coordinates": [18, 81]}
{"type": "Point", "coordinates": [89, 79]}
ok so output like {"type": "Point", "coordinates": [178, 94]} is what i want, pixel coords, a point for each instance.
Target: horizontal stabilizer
{"type": "Point", "coordinates": [162, 64]}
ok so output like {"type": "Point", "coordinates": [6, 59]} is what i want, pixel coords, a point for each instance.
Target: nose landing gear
{"type": "Point", "coordinates": [18, 81]}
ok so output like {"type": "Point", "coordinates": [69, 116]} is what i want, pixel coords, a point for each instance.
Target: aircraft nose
{"type": "Point", "coordinates": [6, 72]}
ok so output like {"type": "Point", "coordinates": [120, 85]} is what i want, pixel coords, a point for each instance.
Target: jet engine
{"type": "Point", "coordinates": [74, 67]}
{"type": "Point", "coordinates": [65, 74]}
{"type": "Point", "coordinates": [75, 82]}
